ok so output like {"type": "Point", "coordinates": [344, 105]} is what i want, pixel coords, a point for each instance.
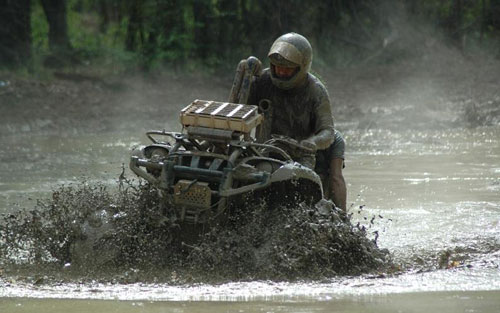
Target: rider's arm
{"type": "Point", "coordinates": [324, 132]}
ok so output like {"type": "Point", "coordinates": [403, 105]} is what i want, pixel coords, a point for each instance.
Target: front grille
{"type": "Point", "coordinates": [192, 194]}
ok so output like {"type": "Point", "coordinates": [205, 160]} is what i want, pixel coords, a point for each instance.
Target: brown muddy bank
{"type": "Point", "coordinates": [440, 88]}
{"type": "Point", "coordinates": [66, 106]}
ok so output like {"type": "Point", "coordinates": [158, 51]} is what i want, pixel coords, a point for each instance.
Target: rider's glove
{"type": "Point", "coordinates": [309, 144]}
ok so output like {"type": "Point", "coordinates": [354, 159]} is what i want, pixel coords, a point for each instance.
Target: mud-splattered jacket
{"type": "Point", "coordinates": [302, 113]}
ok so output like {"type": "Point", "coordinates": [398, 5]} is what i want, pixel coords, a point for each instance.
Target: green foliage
{"type": "Point", "coordinates": [152, 33]}
{"type": "Point", "coordinates": [39, 29]}
{"type": "Point", "coordinates": [86, 35]}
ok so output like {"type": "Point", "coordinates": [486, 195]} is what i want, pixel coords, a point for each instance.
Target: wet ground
{"type": "Point", "coordinates": [446, 302]}
{"type": "Point", "coordinates": [422, 168]}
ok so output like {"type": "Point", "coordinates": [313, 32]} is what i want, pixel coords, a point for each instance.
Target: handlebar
{"type": "Point", "coordinates": [174, 135]}
{"type": "Point", "coordinates": [287, 141]}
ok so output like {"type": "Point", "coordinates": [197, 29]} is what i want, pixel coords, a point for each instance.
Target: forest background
{"type": "Point", "coordinates": [215, 34]}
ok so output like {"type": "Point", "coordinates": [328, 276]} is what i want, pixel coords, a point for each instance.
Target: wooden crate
{"type": "Point", "coordinates": [221, 115]}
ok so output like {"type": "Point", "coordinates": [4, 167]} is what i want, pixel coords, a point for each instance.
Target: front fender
{"type": "Point", "coordinates": [295, 171]}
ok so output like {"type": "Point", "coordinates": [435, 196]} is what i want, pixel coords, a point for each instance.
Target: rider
{"type": "Point", "coordinates": [297, 105]}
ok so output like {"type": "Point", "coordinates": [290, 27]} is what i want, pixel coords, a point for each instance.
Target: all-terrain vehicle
{"type": "Point", "coordinates": [215, 161]}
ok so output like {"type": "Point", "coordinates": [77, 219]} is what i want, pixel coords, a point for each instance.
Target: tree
{"type": "Point", "coordinates": [55, 11]}
{"type": "Point", "coordinates": [457, 33]}
{"type": "Point", "coordinates": [203, 19]}
{"type": "Point", "coordinates": [15, 33]}
{"type": "Point", "coordinates": [494, 14]}
{"type": "Point", "coordinates": [135, 27]}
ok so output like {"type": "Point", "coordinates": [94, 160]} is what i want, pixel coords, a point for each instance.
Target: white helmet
{"type": "Point", "coordinates": [290, 50]}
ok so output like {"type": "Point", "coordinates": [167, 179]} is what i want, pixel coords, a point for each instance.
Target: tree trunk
{"type": "Point", "coordinates": [15, 33]}
{"type": "Point", "coordinates": [134, 26]}
{"type": "Point", "coordinates": [457, 23]}
{"type": "Point", "coordinates": [228, 27]}
{"type": "Point", "coordinates": [103, 9]}
{"type": "Point", "coordinates": [483, 20]}
{"type": "Point", "coordinates": [495, 14]}
{"type": "Point", "coordinates": [55, 11]}
{"type": "Point", "coordinates": [203, 27]}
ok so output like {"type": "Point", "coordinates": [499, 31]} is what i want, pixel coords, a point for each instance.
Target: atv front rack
{"type": "Point", "coordinates": [221, 115]}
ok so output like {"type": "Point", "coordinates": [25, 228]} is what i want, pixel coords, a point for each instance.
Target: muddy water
{"type": "Point", "coordinates": [447, 302]}
{"type": "Point", "coordinates": [33, 165]}
{"type": "Point", "coordinates": [432, 198]}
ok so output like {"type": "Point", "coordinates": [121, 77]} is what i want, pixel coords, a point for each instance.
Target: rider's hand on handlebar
{"type": "Point", "coordinates": [306, 143]}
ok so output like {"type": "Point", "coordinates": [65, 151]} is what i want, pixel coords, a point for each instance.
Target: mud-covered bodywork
{"type": "Point", "coordinates": [215, 162]}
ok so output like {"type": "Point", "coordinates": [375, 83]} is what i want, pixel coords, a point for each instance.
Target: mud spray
{"type": "Point", "coordinates": [86, 232]}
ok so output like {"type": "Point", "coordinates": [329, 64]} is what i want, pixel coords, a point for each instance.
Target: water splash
{"type": "Point", "coordinates": [87, 232]}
